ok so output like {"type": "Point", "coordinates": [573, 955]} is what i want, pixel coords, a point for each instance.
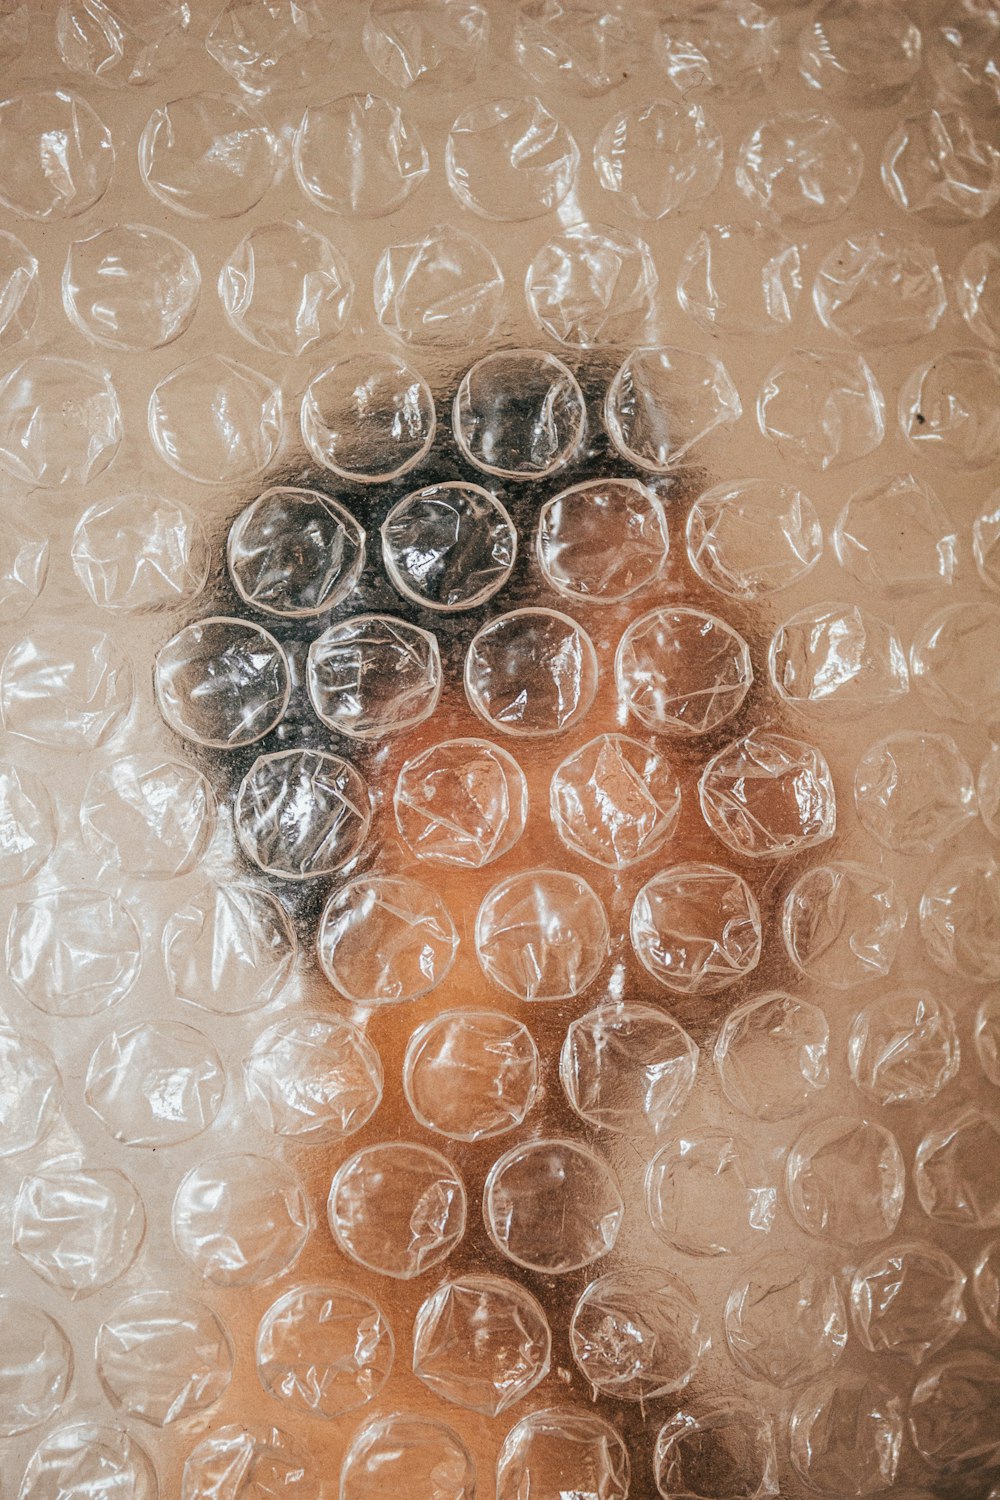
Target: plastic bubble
{"type": "Point", "coordinates": [207, 156]}
{"type": "Point", "coordinates": [937, 166]}
{"type": "Point", "coordinates": [140, 552]}
{"type": "Point", "coordinates": [907, 1300]}
{"type": "Point", "coordinates": [558, 1448]}
{"type": "Point", "coordinates": [442, 41]}
{"type": "Point", "coordinates": [384, 939]}
{"type": "Point", "coordinates": [725, 47]}
{"type": "Point", "coordinates": [767, 794]}
{"type": "Point", "coordinates": [358, 156]}
{"type": "Point", "coordinates": [986, 1286]}
{"type": "Point", "coordinates": [585, 47]}
{"type": "Point", "coordinates": [60, 421]}
{"type": "Point", "coordinates": [449, 546]}
{"type": "Point", "coordinates": [843, 924]}
{"type": "Point", "coordinates": [155, 1084]}
{"type": "Point", "coordinates": [368, 417]}
{"type": "Point", "coordinates": [951, 1421]}
{"type": "Point", "coordinates": [56, 155]}
{"type": "Point", "coordinates": [800, 166]}
{"type": "Point", "coordinates": [696, 928]}
{"type": "Point", "coordinates": [267, 1461]}
{"type": "Point", "coordinates": [443, 290]}
{"type": "Point", "coordinates": [285, 287]}
{"type": "Point", "coordinates": [658, 159]}
{"type": "Point", "coordinates": [152, 817]}
{"type": "Point", "coordinates": [964, 55]}
{"type": "Point", "coordinates": [542, 935]}
{"type": "Point", "coordinates": [470, 1074]}
{"type": "Point", "coordinates": [223, 683]}
{"type": "Point", "coordinates": [682, 672]}
{"type": "Point", "coordinates": [79, 1229]}
{"type": "Point", "coordinates": [409, 1454]}
{"type": "Point", "coordinates": [750, 538]}
{"type": "Point", "coordinates": [374, 675]}
{"type": "Point", "coordinates": [35, 1366]}
{"type": "Point", "coordinates": [615, 801]}
{"type": "Point", "coordinates": [949, 409]}
{"type": "Point", "coordinates": [482, 1342]}
{"type": "Point", "coordinates": [987, 1038]}
{"type": "Point", "coordinates": [705, 1197]}
{"type": "Point", "coordinates": [301, 813]}
{"type": "Point", "coordinates": [953, 1170]}
{"type": "Point", "coordinates": [786, 1321]}
{"type": "Point", "coordinates": [519, 413]}
{"type": "Point", "coordinates": [977, 290]}
{"type": "Point", "coordinates": [510, 159]}
{"type": "Point", "coordinates": [837, 658]}
{"type": "Point", "coordinates": [162, 1357]}
{"type": "Point", "coordinates": [772, 1056]}
{"type": "Point", "coordinates": [735, 280]}
{"type": "Point", "coordinates": [462, 802]}
{"type": "Point", "coordinates": [228, 949]}
{"type": "Point", "coordinates": [28, 825]}
{"type": "Point", "coordinates": [903, 1048]}
{"type": "Point", "coordinates": [845, 1180]}
{"type": "Point", "coordinates": [531, 673]}
{"type": "Point", "coordinates": [665, 402]}
{"type": "Point", "coordinates": [240, 1220]}
{"type": "Point", "coordinates": [131, 286]}
{"type": "Point", "coordinates": [121, 43]}
{"type": "Point", "coordinates": [89, 1461]}
{"type": "Point", "coordinates": [880, 289]}
{"type": "Point", "coordinates": [952, 662]}
{"type": "Point", "coordinates": [18, 290]}
{"type": "Point", "coordinates": [314, 1078]}
{"type": "Point", "coordinates": [215, 420]}
{"type": "Point", "coordinates": [637, 1337]}
{"type": "Point", "coordinates": [733, 1442]}
{"type": "Point", "coordinates": [24, 566]}
{"type": "Point", "coordinates": [295, 552]}
{"type": "Point", "coordinates": [73, 952]}
{"type": "Point", "coordinates": [914, 791]}
{"type": "Point", "coordinates": [602, 541]}
{"type": "Point", "coordinates": [552, 1206]}
{"type": "Point", "coordinates": [847, 1435]}
{"type": "Point", "coordinates": [960, 918]}
{"type": "Point", "coordinates": [285, 44]}
{"type": "Point", "coordinates": [591, 286]}
{"type": "Point", "coordinates": [822, 409]}
{"type": "Point", "coordinates": [323, 1350]}
{"type": "Point", "coordinates": [397, 1208]}
{"type": "Point", "coordinates": [922, 552]}
{"type": "Point", "coordinates": [31, 1092]}
{"type": "Point", "coordinates": [69, 689]}
{"type": "Point", "coordinates": [859, 54]}
{"type": "Point", "coordinates": [627, 1068]}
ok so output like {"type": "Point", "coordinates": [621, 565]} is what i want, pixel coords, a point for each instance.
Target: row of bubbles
{"type": "Point", "coordinates": [285, 287]}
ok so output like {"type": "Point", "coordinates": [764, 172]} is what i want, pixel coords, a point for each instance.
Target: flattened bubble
{"type": "Point", "coordinates": [767, 794]}
{"type": "Point", "coordinates": [73, 952]}
{"type": "Point", "coordinates": [30, 1092]}
{"type": "Point", "coordinates": [845, 1180]}
{"type": "Point", "coordinates": [123, 44]}
{"type": "Point", "coordinates": [847, 1435]}
{"type": "Point", "coordinates": [443, 290]}
{"type": "Point", "coordinates": [285, 44]}
{"type": "Point", "coordinates": [56, 155]}
{"type": "Point", "coordinates": [28, 826]}
{"type": "Point", "coordinates": [837, 658]}
{"type": "Point", "coordinates": [696, 928]}
{"type": "Point", "coordinates": [949, 408]}
{"type": "Point", "coordinates": [69, 689]}
{"type": "Point", "coordinates": [922, 551]}
{"type": "Point", "coordinates": [859, 54]}
{"type": "Point", "coordinates": [726, 48]}
{"type": "Point", "coordinates": [986, 1286]}
{"type": "Point", "coordinates": [627, 1068]}
{"type": "Point", "coordinates": [615, 801]}
{"type": "Point", "coordinates": [222, 683]}
{"type": "Point", "coordinates": [374, 675]}
{"type": "Point", "coordinates": [736, 280]}
{"type": "Point", "coordinates": [295, 552]}
{"type": "Point", "coordinates": [801, 166]}
{"type": "Point", "coordinates": [36, 1366]}
{"type": "Point", "coordinates": [987, 1037]}
{"type": "Point", "coordinates": [786, 1322]}
{"type": "Point", "coordinates": [552, 1206]}
{"type": "Point", "coordinates": [60, 421]}
{"type": "Point", "coordinates": [131, 287]}
{"type": "Point", "coordinates": [368, 417]}
{"type": "Point", "coordinates": [772, 1056]}
{"type": "Point", "coordinates": [240, 1220]}
{"type": "Point", "coordinates": [443, 42]}
{"type": "Point", "coordinates": [285, 287]}
{"type": "Point", "coordinates": [591, 286]}
{"type": "Point", "coordinates": [936, 165]}
{"type": "Point", "coordinates": [954, 1171]}
{"type": "Point", "coordinates": [903, 1048]}
{"type": "Point", "coordinates": [681, 671]}
{"type": "Point", "coordinates": [731, 1442]}
{"type": "Point", "coordinates": [449, 546]}
{"type": "Point", "coordinates": [602, 541]}
{"type": "Point", "coordinates": [301, 813]}
{"type": "Point", "coordinates": [463, 802]}
{"type": "Point", "coordinates": [155, 1084]}
{"type": "Point", "coordinates": [960, 918]}
{"type": "Point", "coordinates": [315, 1078]}
{"type": "Point", "coordinates": [952, 1413]}
{"type": "Point", "coordinates": [519, 413]}
{"type": "Point", "coordinates": [24, 566]}
{"type": "Point", "coordinates": [470, 1074]}
{"type": "Point", "coordinates": [963, 55]}
{"type": "Point", "coordinates": [586, 47]}
{"type": "Point", "coordinates": [79, 1229]}
{"type": "Point", "coordinates": [207, 156]}
{"type": "Point", "coordinates": [410, 1455]}
{"type": "Point", "coordinates": [977, 289]}
{"type": "Point", "coordinates": [163, 1357]}
{"type": "Point", "coordinates": [531, 673]}
{"type": "Point", "coordinates": [18, 290]}
{"type": "Point", "coordinates": [152, 817]}
{"type": "Point", "coordinates": [907, 1300]}
{"type": "Point", "coordinates": [542, 935]}
{"type": "Point", "coordinates": [482, 1342]}
{"type": "Point", "coordinates": [914, 791]}
{"type": "Point", "coordinates": [259, 1463]}
{"type": "Point", "coordinates": [750, 538]}
{"type": "Point", "coordinates": [552, 1448]}
{"type": "Point", "coordinates": [953, 662]}
{"type": "Point", "coordinates": [140, 551]}
{"type": "Point", "coordinates": [358, 156]}
{"type": "Point", "coordinates": [821, 408]}
{"type": "Point", "coordinates": [510, 159]}
{"type": "Point", "coordinates": [384, 939]}
{"type": "Point", "coordinates": [880, 289]}
{"type": "Point", "coordinates": [659, 158]}
{"type": "Point", "coordinates": [663, 402]}
{"type": "Point", "coordinates": [397, 1208]}
{"type": "Point", "coordinates": [229, 949]}
{"type": "Point", "coordinates": [216, 421]}
{"type": "Point", "coordinates": [637, 1337]}
{"type": "Point", "coordinates": [324, 1350]}
{"type": "Point", "coordinates": [704, 1197]}
{"type": "Point", "coordinates": [89, 1461]}
{"type": "Point", "coordinates": [843, 924]}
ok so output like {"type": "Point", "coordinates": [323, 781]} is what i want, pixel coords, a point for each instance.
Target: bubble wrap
{"type": "Point", "coordinates": [499, 674]}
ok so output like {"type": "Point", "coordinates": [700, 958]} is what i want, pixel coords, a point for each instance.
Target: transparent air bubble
{"type": "Point", "coordinates": [28, 824]}
{"type": "Point", "coordinates": [24, 566]}
{"type": "Point", "coordinates": [723, 46]}
{"type": "Point", "coordinates": [323, 1350]}
{"type": "Point", "coordinates": [207, 156]}
{"type": "Point", "coordinates": [846, 1435]}
{"type": "Point", "coordinates": [35, 1366]}
{"type": "Point", "coordinates": [222, 683]}
{"type": "Point", "coordinates": [301, 813]}
{"type": "Point", "coordinates": [152, 817]}
{"type": "Point", "coordinates": [89, 1461]}
{"type": "Point", "coordinates": [510, 159]}
{"type": "Point", "coordinates": [256, 1461]}
{"type": "Point", "coordinates": [481, 1342]}
{"type": "Point", "coordinates": [922, 551]}
{"type": "Point", "coordinates": [706, 1197]}
{"type": "Point", "coordinates": [772, 1056]}
{"type": "Point", "coordinates": [215, 420]}
{"type": "Point", "coordinates": [397, 1208]}
{"type": "Point", "coordinates": [843, 923]}
{"type": "Point", "coordinates": [358, 156]}
{"type": "Point", "coordinates": [937, 165]}
{"type": "Point", "coordinates": [79, 1229]}
{"type": "Point", "coordinates": [140, 551]}
{"type": "Point", "coordinates": [405, 1453]}
{"type": "Point", "coordinates": [368, 417]}
{"type": "Point", "coordinates": [240, 1220]}
{"type": "Point", "coordinates": [658, 159]}
{"type": "Point", "coordinates": [592, 286]}
{"type": "Point", "coordinates": [903, 1048]}
{"type": "Point", "coordinates": [228, 949]}
{"type": "Point", "coordinates": [69, 689]}
{"type": "Point", "coordinates": [800, 167]}
{"type": "Point", "coordinates": [73, 952]}
{"type": "Point", "coordinates": [56, 155]}
{"type": "Point", "coordinates": [987, 1038]}
{"type": "Point", "coordinates": [637, 1337]}
{"type": "Point", "coordinates": [880, 288]}
{"type": "Point", "coordinates": [285, 44]}
{"type": "Point", "coordinates": [602, 541]}
{"type": "Point", "coordinates": [845, 1180]}
{"type": "Point", "coordinates": [914, 791]}
{"type": "Point", "coordinates": [442, 41]}
{"type": "Point", "coordinates": [907, 1300]}
{"type": "Point", "coordinates": [295, 552]}
{"type": "Point", "coordinates": [18, 290]}
{"type": "Point", "coordinates": [531, 673]}
{"type": "Point", "coordinates": [470, 1074]}
{"type": "Point", "coordinates": [442, 290]}
{"type": "Point", "coordinates": [461, 802]}
{"type": "Point", "coordinates": [162, 1357]}
{"type": "Point", "coordinates": [519, 413]}
{"type": "Point", "coordinates": [821, 408]}
{"type": "Point", "coordinates": [31, 1092]}
{"type": "Point", "coordinates": [767, 794]}
{"type": "Point", "coordinates": [374, 675]}
{"type": "Point", "coordinates": [384, 939]}
{"type": "Point", "coordinates": [952, 1171]}
{"type": "Point", "coordinates": [615, 801]}
{"type": "Point", "coordinates": [952, 661]}
{"type": "Point", "coordinates": [696, 928]}
{"type": "Point", "coordinates": [285, 287]}
{"type": "Point", "coordinates": [859, 54]}
{"type": "Point", "coordinates": [449, 546]}
{"type": "Point", "coordinates": [313, 1078]}
{"type": "Point", "coordinates": [786, 1321]}
{"type": "Point", "coordinates": [131, 286]}
{"type": "Point", "coordinates": [665, 402]}
{"type": "Point", "coordinates": [949, 409]}
{"type": "Point", "coordinates": [121, 43]}
{"type": "Point", "coordinates": [951, 1412]}
{"type": "Point", "coordinates": [542, 935]}
{"type": "Point", "coordinates": [740, 280]}
{"type": "Point", "coordinates": [588, 47]}
{"type": "Point", "coordinates": [551, 1449]}
{"type": "Point", "coordinates": [837, 658]}
{"type": "Point", "coordinates": [552, 1206]}
{"type": "Point", "coordinates": [750, 538]}
{"type": "Point", "coordinates": [682, 672]}
{"type": "Point", "coordinates": [628, 1068]}
{"type": "Point", "coordinates": [960, 918]}
{"type": "Point", "coordinates": [60, 421]}
{"type": "Point", "coordinates": [155, 1084]}
{"type": "Point", "coordinates": [732, 1442]}
{"type": "Point", "coordinates": [977, 290]}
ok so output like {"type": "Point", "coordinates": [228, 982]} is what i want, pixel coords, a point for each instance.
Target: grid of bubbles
{"type": "Point", "coordinates": [501, 921]}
